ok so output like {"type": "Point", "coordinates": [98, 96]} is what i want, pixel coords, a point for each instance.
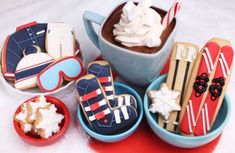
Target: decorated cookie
{"type": "Point", "coordinates": [21, 117]}
{"type": "Point", "coordinates": [164, 101]}
{"type": "Point", "coordinates": [217, 89]}
{"type": "Point", "coordinates": [26, 35]}
{"type": "Point", "coordinates": [32, 108]}
{"type": "Point", "coordinates": [33, 62]}
{"type": "Point", "coordinates": [199, 82]}
{"type": "Point", "coordinates": [94, 103]}
{"type": "Point", "coordinates": [68, 68]}
{"type": "Point", "coordinates": [60, 40]}
{"type": "Point", "coordinates": [181, 63]}
{"type": "Point", "coordinates": [47, 121]}
{"type": "Point", "coordinates": [102, 70]}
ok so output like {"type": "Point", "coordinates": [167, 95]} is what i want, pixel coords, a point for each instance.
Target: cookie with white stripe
{"type": "Point", "coordinates": [101, 117]}
{"type": "Point", "coordinates": [217, 89]}
{"type": "Point", "coordinates": [102, 70]}
{"type": "Point", "coordinates": [197, 90]}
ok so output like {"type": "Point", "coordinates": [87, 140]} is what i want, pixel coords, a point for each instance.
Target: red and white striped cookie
{"type": "Point", "coordinates": [216, 92]}
{"type": "Point", "coordinates": [198, 90]}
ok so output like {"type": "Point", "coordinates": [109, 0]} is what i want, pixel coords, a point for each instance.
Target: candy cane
{"type": "Point", "coordinates": [171, 14]}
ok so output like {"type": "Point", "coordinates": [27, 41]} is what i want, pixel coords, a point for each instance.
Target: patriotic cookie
{"type": "Point", "coordinates": [181, 63]}
{"type": "Point", "coordinates": [199, 82]}
{"type": "Point", "coordinates": [26, 35]}
{"type": "Point", "coordinates": [94, 103]}
{"type": "Point", "coordinates": [60, 40]}
{"type": "Point", "coordinates": [217, 89]}
{"type": "Point", "coordinates": [102, 70]}
{"type": "Point", "coordinates": [33, 62]}
{"type": "Point", "coordinates": [68, 68]}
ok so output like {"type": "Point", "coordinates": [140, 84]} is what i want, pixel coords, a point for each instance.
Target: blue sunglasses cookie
{"type": "Point", "coordinates": [94, 103]}
{"type": "Point", "coordinates": [102, 70]}
{"type": "Point", "coordinates": [51, 78]}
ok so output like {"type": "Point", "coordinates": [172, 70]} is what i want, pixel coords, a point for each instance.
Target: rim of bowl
{"type": "Point", "coordinates": [55, 136]}
{"type": "Point", "coordinates": [119, 135]}
{"type": "Point", "coordinates": [217, 130]}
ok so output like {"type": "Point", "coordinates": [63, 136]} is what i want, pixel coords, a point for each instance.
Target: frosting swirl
{"type": "Point", "coordinates": [139, 25]}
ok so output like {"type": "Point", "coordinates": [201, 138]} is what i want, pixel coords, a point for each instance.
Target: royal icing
{"type": "Point", "coordinates": [194, 103]}
{"type": "Point", "coordinates": [51, 78]}
{"type": "Point", "coordinates": [22, 118]}
{"type": "Point", "coordinates": [214, 98]}
{"type": "Point", "coordinates": [164, 101]}
{"type": "Point", "coordinates": [29, 67]}
{"type": "Point", "coordinates": [26, 35]}
{"type": "Point", "coordinates": [60, 40]}
{"type": "Point", "coordinates": [49, 121]}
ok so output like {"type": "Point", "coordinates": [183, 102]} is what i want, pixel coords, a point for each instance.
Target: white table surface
{"type": "Point", "coordinates": [199, 21]}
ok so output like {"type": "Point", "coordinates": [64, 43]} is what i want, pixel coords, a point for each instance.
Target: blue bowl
{"type": "Point", "coordinates": [119, 89]}
{"type": "Point", "coordinates": [180, 140]}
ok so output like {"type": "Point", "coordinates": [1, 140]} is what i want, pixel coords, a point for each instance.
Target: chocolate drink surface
{"type": "Point", "coordinates": [107, 31]}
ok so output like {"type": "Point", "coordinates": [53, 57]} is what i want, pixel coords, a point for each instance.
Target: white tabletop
{"type": "Point", "coordinates": [199, 21]}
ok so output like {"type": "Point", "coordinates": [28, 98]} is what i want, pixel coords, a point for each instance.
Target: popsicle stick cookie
{"type": "Point", "coordinates": [102, 70]}
{"type": "Point", "coordinates": [94, 103]}
{"type": "Point", "coordinates": [199, 82]}
{"type": "Point", "coordinates": [181, 64]}
{"type": "Point", "coordinates": [217, 90]}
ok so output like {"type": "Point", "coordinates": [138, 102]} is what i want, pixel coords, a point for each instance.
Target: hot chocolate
{"type": "Point", "coordinates": [108, 27]}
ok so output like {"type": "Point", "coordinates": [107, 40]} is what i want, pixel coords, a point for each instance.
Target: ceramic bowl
{"type": "Point", "coordinates": [36, 140]}
{"type": "Point", "coordinates": [119, 89]}
{"type": "Point", "coordinates": [180, 140]}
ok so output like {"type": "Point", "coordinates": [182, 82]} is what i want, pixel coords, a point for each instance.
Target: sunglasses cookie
{"type": "Point", "coordinates": [94, 103]}
{"type": "Point", "coordinates": [199, 82]}
{"type": "Point", "coordinates": [102, 70]}
{"type": "Point", "coordinates": [68, 68]}
{"type": "Point", "coordinates": [33, 62]}
{"type": "Point", "coordinates": [26, 35]}
{"type": "Point", "coordinates": [60, 40]}
{"type": "Point", "coordinates": [217, 89]}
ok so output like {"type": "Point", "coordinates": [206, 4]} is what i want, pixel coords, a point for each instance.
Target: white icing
{"type": "Point", "coordinates": [117, 116]}
{"type": "Point", "coordinates": [181, 50]}
{"type": "Point", "coordinates": [139, 25]}
{"type": "Point", "coordinates": [164, 101]}
{"type": "Point", "coordinates": [124, 112]}
{"type": "Point", "coordinates": [192, 54]}
{"type": "Point", "coordinates": [22, 118]}
{"type": "Point", "coordinates": [40, 103]}
{"type": "Point", "coordinates": [50, 120]}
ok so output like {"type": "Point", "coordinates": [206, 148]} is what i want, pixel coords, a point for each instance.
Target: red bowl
{"type": "Point", "coordinates": [36, 140]}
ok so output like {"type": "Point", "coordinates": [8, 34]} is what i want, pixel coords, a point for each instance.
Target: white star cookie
{"type": "Point", "coordinates": [164, 101]}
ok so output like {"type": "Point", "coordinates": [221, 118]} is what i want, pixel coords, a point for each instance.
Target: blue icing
{"type": "Point", "coordinates": [50, 78]}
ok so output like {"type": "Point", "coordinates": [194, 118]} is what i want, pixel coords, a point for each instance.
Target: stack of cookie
{"type": "Point", "coordinates": [190, 99]}
{"type": "Point", "coordinates": [37, 51]}
{"type": "Point", "coordinates": [106, 112]}
{"type": "Point", "coordinates": [39, 118]}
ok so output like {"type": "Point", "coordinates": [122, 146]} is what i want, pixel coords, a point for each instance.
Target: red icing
{"type": "Point", "coordinates": [89, 96]}
{"type": "Point", "coordinates": [103, 79]}
{"type": "Point", "coordinates": [26, 25]}
{"type": "Point", "coordinates": [95, 106]}
{"type": "Point", "coordinates": [213, 105]}
{"type": "Point", "coordinates": [99, 115]}
{"type": "Point", "coordinates": [196, 101]}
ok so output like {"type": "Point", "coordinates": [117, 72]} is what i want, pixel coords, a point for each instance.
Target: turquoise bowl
{"type": "Point", "coordinates": [186, 141]}
{"type": "Point", "coordinates": [119, 89]}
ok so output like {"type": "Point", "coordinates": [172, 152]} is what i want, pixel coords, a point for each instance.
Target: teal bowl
{"type": "Point", "coordinates": [180, 140]}
{"type": "Point", "coordinates": [119, 89]}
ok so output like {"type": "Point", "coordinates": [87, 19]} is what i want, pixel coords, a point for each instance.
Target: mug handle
{"type": "Point", "coordinates": [88, 18]}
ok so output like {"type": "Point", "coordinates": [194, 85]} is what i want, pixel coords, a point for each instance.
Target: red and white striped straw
{"type": "Point", "coordinates": [171, 14]}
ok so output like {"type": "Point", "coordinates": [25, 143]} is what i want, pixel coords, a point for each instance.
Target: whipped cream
{"type": "Point", "coordinates": [139, 25]}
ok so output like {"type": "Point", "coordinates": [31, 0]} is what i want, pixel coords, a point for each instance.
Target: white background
{"type": "Point", "coordinates": [199, 21]}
